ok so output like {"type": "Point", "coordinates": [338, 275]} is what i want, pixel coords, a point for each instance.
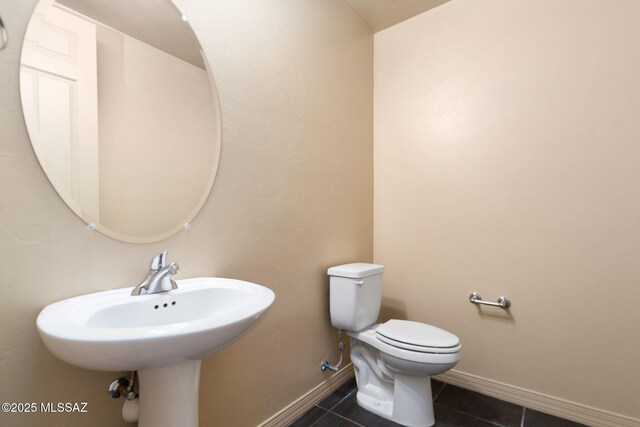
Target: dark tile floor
{"type": "Point", "coordinates": [453, 406]}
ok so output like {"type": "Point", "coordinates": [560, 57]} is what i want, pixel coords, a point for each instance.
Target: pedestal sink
{"type": "Point", "coordinates": [164, 336]}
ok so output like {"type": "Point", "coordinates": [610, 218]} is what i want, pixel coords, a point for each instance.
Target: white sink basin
{"type": "Point", "coordinates": [114, 331]}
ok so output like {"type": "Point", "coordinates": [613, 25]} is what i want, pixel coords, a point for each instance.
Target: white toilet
{"type": "Point", "coordinates": [393, 361]}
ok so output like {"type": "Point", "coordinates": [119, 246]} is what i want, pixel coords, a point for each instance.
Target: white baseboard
{"type": "Point", "coordinates": [290, 413]}
{"type": "Point", "coordinates": [540, 402]}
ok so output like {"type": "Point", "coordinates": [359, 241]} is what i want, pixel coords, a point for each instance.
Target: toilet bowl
{"type": "Point", "coordinates": [393, 372]}
{"type": "Point", "coordinates": [393, 361]}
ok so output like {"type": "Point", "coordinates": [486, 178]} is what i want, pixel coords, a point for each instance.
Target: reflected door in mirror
{"type": "Point", "coordinates": [58, 82]}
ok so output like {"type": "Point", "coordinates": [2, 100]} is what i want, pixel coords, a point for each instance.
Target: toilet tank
{"type": "Point", "coordinates": [355, 295]}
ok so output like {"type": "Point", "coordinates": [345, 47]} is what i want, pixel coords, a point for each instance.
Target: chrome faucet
{"type": "Point", "coordinates": [159, 277]}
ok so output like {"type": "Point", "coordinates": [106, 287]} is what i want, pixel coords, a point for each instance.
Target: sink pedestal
{"type": "Point", "coordinates": [169, 396]}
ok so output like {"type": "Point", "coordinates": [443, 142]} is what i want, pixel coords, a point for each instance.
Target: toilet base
{"type": "Point", "coordinates": [413, 405]}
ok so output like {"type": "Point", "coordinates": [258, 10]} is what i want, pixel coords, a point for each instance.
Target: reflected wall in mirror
{"type": "Point", "coordinates": [122, 113]}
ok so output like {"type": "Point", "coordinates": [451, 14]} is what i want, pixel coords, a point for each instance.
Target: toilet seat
{"type": "Point", "coordinates": [416, 336]}
{"type": "Point", "coordinates": [371, 337]}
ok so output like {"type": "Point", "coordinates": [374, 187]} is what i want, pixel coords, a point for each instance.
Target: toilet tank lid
{"type": "Point", "coordinates": [356, 270]}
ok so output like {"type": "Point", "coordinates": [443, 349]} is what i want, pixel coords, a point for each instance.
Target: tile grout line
{"type": "Point", "coordinates": [339, 402]}
{"type": "Point", "coordinates": [479, 417]}
{"type": "Point", "coordinates": [341, 416]}
{"type": "Point", "coordinates": [317, 405]}
{"type": "Point", "coordinates": [323, 415]}
{"type": "Point", "coordinates": [471, 415]}
{"type": "Point", "coordinates": [342, 400]}
{"type": "Point", "coordinates": [345, 418]}
{"type": "Point", "coordinates": [439, 391]}
{"type": "Point", "coordinates": [353, 421]}
{"type": "Point", "coordinates": [437, 395]}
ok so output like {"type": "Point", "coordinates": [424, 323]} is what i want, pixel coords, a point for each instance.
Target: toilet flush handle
{"type": "Point", "coordinates": [359, 282]}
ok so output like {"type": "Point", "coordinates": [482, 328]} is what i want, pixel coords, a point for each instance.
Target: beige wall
{"type": "Point", "coordinates": [293, 196]}
{"type": "Point", "coordinates": [507, 162]}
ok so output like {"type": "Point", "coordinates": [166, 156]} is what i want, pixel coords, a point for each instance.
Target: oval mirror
{"type": "Point", "coordinates": [122, 113]}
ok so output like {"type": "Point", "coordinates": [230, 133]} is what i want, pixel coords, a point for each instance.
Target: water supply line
{"type": "Point", "coordinates": [325, 364]}
{"type": "Point", "coordinates": [124, 387]}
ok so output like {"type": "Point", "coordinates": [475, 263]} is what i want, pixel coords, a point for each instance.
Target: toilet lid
{"type": "Point", "coordinates": [417, 336]}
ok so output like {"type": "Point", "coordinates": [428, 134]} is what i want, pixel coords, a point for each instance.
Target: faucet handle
{"type": "Point", "coordinates": [158, 262]}
{"type": "Point", "coordinates": [173, 268]}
